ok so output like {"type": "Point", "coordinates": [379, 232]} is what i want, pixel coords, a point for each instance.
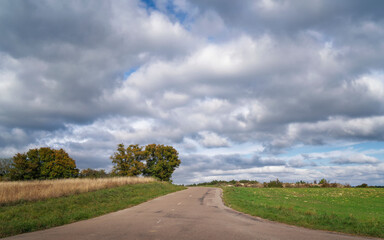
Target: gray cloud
{"type": "Point", "coordinates": [283, 16]}
{"type": "Point", "coordinates": [356, 159]}
{"type": "Point", "coordinates": [205, 76]}
{"type": "Point", "coordinates": [60, 58]}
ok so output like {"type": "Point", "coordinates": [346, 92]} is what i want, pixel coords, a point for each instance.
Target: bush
{"type": "Point", "coordinates": [275, 184]}
{"type": "Point", "coordinates": [93, 173]}
{"type": "Point", "coordinates": [364, 185]}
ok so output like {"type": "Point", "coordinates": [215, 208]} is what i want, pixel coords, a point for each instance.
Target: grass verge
{"type": "Point", "coordinates": [32, 216]}
{"type": "Point", "coordinates": [348, 210]}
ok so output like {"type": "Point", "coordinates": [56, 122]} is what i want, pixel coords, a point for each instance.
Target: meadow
{"type": "Point", "coordinates": [22, 216]}
{"type": "Point", "coordinates": [357, 211]}
{"type": "Point", "coordinates": [16, 191]}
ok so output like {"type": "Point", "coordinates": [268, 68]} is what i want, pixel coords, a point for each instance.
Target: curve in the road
{"type": "Point", "coordinates": [195, 213]}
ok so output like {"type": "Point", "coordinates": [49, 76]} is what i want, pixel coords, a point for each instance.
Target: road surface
{"type": "Point", "coordinates": [195, 213]}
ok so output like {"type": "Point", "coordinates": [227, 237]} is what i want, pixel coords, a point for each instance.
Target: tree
{"type": "Point", "coordinates": [161, 161]}
{"type": "Point", "coordinates": [47, 159]}
{"type": "Point", "coordinates": [5, 168]}
{"type": "Point", "coordinates": [23, 168]}
{"type": "Point", "coordinates": [43, 163]}
{"type": "Point", "coordinates": [63, 166]}
{"type": "Point", "coordinates": [128, 161]}
{"type": "Point", "coordinates": [324, 183]}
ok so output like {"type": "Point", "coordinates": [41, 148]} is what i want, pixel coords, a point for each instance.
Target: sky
{"type": "Point", "coordinates": [252, 89]}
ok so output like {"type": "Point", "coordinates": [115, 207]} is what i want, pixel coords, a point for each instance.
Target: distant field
{"type": "Point", "coordinates": [350, 210]}
{"type": "Point", "coordinates": [15, 191]}
{"type": "Point", "coordinates": [30, 216]}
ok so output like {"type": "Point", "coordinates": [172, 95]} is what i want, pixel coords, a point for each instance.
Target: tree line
{"type": "Point", "coordinates": [322, 183]}
{"type": "Point", "coordinates": [153, 160]}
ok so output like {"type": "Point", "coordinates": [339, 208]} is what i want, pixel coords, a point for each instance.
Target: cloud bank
{"type": "Point", "coordinates": [241, 89]}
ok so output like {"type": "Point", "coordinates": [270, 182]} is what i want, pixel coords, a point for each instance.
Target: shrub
{"type": "Point", "coordinates": [93, 173]}
{"type": "Point", "coordinates": [364, 185]}
{"type": "Point", "coordinates": [275, 184]}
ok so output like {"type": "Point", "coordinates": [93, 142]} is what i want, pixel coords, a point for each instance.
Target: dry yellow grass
{"type": "Point", "coordinates": [38, 190]}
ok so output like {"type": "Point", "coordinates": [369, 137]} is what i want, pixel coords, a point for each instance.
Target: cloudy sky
{"type": "Point", "coordinates": [242, 89]}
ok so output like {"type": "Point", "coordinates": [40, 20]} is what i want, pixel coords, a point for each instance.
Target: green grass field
{"type": "Point", "coordinates": [349, 210]}
{"type": "Point", "coordinates": [32, 216]}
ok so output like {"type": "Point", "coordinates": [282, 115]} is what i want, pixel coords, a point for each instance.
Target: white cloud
{"type": "Point", "coordinates": [211, 139]}
{"type": "Point", "coordinates": [373, 84]}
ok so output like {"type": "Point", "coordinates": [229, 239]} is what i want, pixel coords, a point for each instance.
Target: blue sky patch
{"type": "Point", "coordinates": [130, 71]}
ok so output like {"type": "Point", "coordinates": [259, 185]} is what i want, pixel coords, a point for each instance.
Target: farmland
{"type": "Point", "coordinates": [350, 210]}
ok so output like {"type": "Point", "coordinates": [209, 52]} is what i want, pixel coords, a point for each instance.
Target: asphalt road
{"type": "Point", "coordinates": [195, 213]}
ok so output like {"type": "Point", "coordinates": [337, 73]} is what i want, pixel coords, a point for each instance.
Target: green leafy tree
{"type": "Point", "coordinates": [324, 183]}
{"type": "Point", "coordinates": [128, 161]}
{"type": "Point", "coordinates": [63, 166]}
{"type": "Point", "coordinates": [47, 159]}
{"type": "Point", "coordinates": [161, 161]}
{"type": "Point", "coordinates": [43, 163]}
{"type": "Point", "coordinates": [23, 168]}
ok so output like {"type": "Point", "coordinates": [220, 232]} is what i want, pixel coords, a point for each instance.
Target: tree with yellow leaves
{"type": "Point", "coordinates": [154, 160]}
{"type": "Point", "coordinates": [128, 161]}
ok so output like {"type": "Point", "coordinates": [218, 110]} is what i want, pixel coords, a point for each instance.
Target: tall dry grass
{"type": "Point", "coordinates": [37, 190]}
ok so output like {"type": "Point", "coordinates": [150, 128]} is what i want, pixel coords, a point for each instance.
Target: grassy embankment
{"type": "Point", "coordinates": [349, 210]}
{"type": "Point", "coordinates": [26, 214]}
